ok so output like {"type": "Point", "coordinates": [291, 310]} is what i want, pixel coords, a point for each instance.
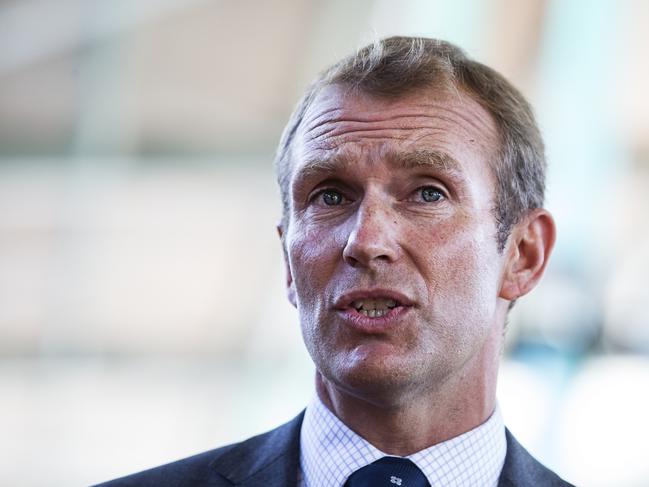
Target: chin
{"type": "Point", "coordinates": [382, 381]}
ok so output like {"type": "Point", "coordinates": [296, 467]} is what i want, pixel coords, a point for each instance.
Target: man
{"type": "Point", "coordinates": [412, 181]}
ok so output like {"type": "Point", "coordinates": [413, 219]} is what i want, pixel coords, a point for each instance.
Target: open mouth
{"type": "Point", "coordinates": [371, 309]}
{"type": "Point", "coordinates": [374, 307]}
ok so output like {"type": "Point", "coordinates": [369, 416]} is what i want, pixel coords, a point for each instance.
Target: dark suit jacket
{"type": "Point", "coordinates": [272, 460]}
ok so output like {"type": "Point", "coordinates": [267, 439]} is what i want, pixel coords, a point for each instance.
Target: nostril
{"type": "Point", "coordinates": [351, 261]}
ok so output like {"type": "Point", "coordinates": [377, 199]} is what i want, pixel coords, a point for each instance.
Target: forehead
{"type": "Point", "coordinates": [341, 121]}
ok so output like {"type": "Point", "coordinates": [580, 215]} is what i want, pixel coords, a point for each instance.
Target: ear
{"type": "Point", "coordinates": [528, 251]}
{"type": "Point", "coordinates": [290, 286]}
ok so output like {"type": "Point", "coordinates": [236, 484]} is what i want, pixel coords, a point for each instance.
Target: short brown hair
{"type": "Point", "coordinates": [397, 66]}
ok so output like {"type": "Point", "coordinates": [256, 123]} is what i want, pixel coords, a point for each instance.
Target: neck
{"type": "Point", "coordinates": [403, 427]}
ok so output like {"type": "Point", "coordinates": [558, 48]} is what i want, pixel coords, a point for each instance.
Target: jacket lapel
{"type": "Point", "coordinates": [270, 459]}
{"type": "Point", "coordinates": [522, 470]}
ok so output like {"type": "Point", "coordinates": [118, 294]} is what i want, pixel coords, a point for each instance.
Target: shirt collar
{"type": "Point", "coordinates": [330, 452]}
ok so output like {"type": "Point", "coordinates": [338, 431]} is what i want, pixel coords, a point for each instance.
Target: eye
{"type": "Point", "coordinates": [331, 197]}
{"type": "Point", "coordinates": [430, 194]}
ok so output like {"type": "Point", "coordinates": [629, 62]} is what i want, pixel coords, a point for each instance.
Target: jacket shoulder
{"type": "Point", "coordinates": [521, 469]}
{"type": "Point", "coordinates": [276, 451]}
{"type": "Point", "coordinates": [190, 471]}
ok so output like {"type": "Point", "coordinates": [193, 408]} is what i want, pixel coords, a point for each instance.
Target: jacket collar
{"type": "Point", "coordinates": [273, 459]}
{"type": "Point", "coordinates": [268, 459]}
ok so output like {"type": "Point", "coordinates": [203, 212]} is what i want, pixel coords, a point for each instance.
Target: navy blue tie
{"type": "Point", "coordinates": [388, 472]}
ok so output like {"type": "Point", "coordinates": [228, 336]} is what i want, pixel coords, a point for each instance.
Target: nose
{"type": "Point", "coordinates": [373, 236]}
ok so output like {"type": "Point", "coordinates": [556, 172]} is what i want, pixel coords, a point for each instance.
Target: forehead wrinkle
{"type": "Point", "coordinates": [378, 115]}
{"type": "Point", "coordinates": [461, 109]}
{"type": "Point", "coordinates": [471, 113]}
{"type": "Point", "coordinates": [475, 129]}
{"type": "Point", "coordinates": [312, 122]}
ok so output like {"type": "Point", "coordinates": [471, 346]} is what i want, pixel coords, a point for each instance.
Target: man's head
{"type": "Point", "coordinates": [404, 240]}
{"type": "Point", "coordinates": [397, 66]}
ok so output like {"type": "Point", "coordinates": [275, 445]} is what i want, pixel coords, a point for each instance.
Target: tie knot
{"type": "Point", "coordinates": [388, 472]}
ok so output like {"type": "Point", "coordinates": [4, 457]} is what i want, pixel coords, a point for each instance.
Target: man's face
{"type": "Point", "coordinates": [391, 245]}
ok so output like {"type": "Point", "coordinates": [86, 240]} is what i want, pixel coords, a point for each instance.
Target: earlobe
{"type": "Point", "coordinates": [290, 293]}
{"type": "Point", "coordinates": [529, 250]}
{"type": "Point", "coordinates": [290, 286]}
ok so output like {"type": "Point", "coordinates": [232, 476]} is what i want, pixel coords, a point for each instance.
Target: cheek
{"type": "Point", "coordinates": [312, 262]}
{"type": "Point", "coordinates": [461, 265]}
{"type": "Point", "coordinates": [312, 254]}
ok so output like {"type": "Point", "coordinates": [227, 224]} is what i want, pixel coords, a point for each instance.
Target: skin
{"type": "Point", "coordinates": [397, 196]}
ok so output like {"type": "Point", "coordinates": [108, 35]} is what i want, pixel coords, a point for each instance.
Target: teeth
{"type": "Point", "coordinates": [374, 307]}
{"type": "Point", "coordinates": [373, 313]}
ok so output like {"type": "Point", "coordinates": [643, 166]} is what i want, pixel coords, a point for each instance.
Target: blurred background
{"type": "Point", "coordinates": [142, 307]}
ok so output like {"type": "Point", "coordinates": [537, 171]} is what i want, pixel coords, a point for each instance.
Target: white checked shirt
{"type": "Point", "coordinates": [330, 452]}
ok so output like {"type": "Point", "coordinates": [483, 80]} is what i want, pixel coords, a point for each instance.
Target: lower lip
{"type": "Point", "coordinates": [378, 324]}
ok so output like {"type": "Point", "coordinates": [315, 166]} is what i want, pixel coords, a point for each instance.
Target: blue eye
{"type": "Point", "coordinates": [431, 194]}
{"type": "Point", "coordinates": [331, 197]}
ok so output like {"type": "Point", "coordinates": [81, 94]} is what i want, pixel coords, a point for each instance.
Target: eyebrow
{"type": "Point", "coordinates": [438, 161]}
{"type": "Point", "coordinates": [426, 158]}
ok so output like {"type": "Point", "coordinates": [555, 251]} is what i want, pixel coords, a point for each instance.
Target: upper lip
{"type": "Point", "coordinates": [345, 300]}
